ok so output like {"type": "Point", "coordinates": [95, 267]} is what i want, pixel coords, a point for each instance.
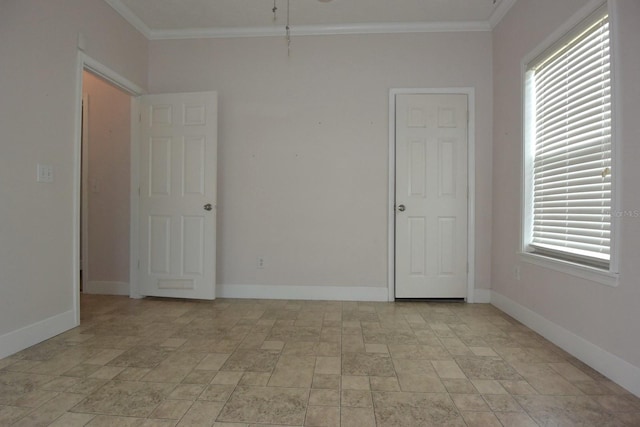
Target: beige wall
{"type": "Point", "coordinates": [303, 145]}
{"type": "Point", "coordinates": [602, 315]}
{"type": "Point", "coordinates": [303, 153]}
{"type": "Point", "coordinates": [108, 181]}
{"type": "Point", "coordinates": [38, 96]}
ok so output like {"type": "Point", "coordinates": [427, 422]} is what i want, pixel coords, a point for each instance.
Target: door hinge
{"type": "Point", "coordinates": [139, 117]}
{"type": "Point", "coordinates": [138, 264]}
{"type": "Point", "coordinates": [138, 191]}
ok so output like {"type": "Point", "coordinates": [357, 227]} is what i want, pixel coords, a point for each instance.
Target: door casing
{"type": "Point", "coordinates": [84, 197]}
{"type": "Point", "coordinates": [85, 62]}
{"type": "Point", "coordinates": [470, 92]}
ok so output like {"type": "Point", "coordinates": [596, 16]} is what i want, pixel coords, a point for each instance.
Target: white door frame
{"type": "Point", "coordinates": [85, 62]}
{"type": "Point", "coordinates": [84, 179]}
{"type": "Point", "coordinates": [471, 177]}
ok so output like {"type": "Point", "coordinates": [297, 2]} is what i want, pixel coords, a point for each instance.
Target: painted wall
{"type": "Point", "coordinates": [602, 315]}
{"type": "Point", "coordinates": [38, 93]}
{"type": "Point", "coordinates": [109, 170]}
{"type": "Point", "coordinates": [303, 145]}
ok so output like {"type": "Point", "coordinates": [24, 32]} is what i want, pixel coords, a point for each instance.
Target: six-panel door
{"type": "Point", "coordinates": [178, 158]}
{"type": "Point", "coordinates": [431, 196]}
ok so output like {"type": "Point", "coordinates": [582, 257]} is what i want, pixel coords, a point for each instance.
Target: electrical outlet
{"type": "Point", "coordinates": [45, 173]}
{"type": "Point", "coordinates": [260, 263]}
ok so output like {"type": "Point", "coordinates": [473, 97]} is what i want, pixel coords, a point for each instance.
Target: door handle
{"type": "Point", "coordinates": [208, 207]}
{"type": "Point", "coordinates": [401, 208]}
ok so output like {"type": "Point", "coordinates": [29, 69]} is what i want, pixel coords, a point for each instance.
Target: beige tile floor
{"type": "Point", "coordinates": [159, 362]}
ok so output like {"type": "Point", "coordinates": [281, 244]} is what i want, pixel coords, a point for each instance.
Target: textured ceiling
{"type": "Point", "coordinates": [158, 17]}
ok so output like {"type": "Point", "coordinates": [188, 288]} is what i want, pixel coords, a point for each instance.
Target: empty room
{"type": "Point", "coordinates": [319, 213]}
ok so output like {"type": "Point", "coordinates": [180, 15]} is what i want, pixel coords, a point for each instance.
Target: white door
{"type": "Point", "coordinates": [431, 196]}
{"type": "Point", "coordinates": [178, 168]}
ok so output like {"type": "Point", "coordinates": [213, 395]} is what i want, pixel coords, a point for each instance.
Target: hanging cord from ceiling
{"type": "Point", "coordinates": [288, 28]}
{"type": "Point", "coordinates": [288, 25]}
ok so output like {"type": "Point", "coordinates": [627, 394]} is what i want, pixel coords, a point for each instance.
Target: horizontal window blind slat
{"type": "Point", "coordinates": [580, 184]}
{"type": "Point", "coordinates": [558, 227]}
{"type": "Point", "coordinates": [571, 175]}
{"type": "Point", "coordinates": [572, 254]}
{"type": "Point", "coordinates": [592, 138]}
{"type": "Point", "coordinates": [539, 229]}
{"type": "Point", "coordinates": [582, 56]}
{"type": "Point", "coordinates": [563, 193]}
{"type": "Point", "coordinates": [574, 73]}
{"type": "Point", "coordinates": [568, 208]}
{"type": "Point", "coordinates": [571, 90]}
{"type": "Point", "coordinates": [586, 145]}
{"type": "Point", "coordinates": [560, 189]}
{"type": "Point", "coordinates": [600, 29]}
{"type": "Point", "coordinates": [595, 244]}
{"type": "Point", "coordinates": [589, 244]}
{"type": "Point", "coordinates": [572, 85]}
{"type": "Point", "coordinates": [590, 163]}
{"type": "Point", "coordinates": [575, 115]}
{"type": "Point", "coordinates": [586, 251]}
{"type": "Point", "coordinates": [568, 129]}
{"type": "Point", "coordinates": [596, 170]}
{"type": "Point", "coordinates": [584, 218]}
{"type": "Point", "coordinates": [593, 143]}
{"type": "Point", "coordinates": [572, 114]}
{"type": "Point", "coordinates": [587, 191]}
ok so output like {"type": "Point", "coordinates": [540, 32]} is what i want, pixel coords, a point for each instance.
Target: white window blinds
{"type": "Point", "coordinates": [571, 207]}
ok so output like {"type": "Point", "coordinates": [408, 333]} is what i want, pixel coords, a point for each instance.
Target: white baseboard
{"type": "Point", "coordinates": [105, 288]}
{"type": "Point", "coordinates": [482, 296]}
{"type": "Point", "coordinates": [33, 334]}
{"type": "Point", "coordinates": [610, 365]}
{"type": "Point", "coordinates": [329, 293]}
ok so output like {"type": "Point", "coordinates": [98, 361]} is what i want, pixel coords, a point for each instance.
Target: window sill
{"type": "Point", "coordinates": [584, 272]}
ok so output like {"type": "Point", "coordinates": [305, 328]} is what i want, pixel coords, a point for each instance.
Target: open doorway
{"type": "Point", "coordinates": [105, 187]}
{"type": "Point", "coordinates": [131, 92]}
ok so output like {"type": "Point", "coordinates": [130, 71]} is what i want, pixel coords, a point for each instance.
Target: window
{"type": "Point", "coordinates": [568, 157]}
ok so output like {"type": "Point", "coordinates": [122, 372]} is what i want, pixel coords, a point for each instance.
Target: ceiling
{"type": "Point", "coordinates": [166, 19]}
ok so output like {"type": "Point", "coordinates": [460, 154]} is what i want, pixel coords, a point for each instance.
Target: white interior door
{"type": "Point", "coordinates": [431, 196]}
{"type": "Point", "coordinates": [177, 221]}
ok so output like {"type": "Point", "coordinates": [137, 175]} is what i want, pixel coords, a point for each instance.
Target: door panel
{"type": "Point", "coordinates": [178, 168]}
{"type": "Point", "coordinates": [431, 184]}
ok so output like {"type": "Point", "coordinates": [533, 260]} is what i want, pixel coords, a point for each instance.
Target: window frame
{"type": "Point", "coordinates": [609, 275]}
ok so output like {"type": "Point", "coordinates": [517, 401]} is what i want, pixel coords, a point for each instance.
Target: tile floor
{"type": "Point", "coordinates": [227, 363]}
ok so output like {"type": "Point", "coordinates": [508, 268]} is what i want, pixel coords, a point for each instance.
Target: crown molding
{"type": "Point", "coordinates": [130, 17]}
{"type": "Point", "coordinates": [500, 11]}
{"type": "Point", "coordinates": [319, 30]}
{"type": "Point", "coordinates": [312, 30]}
